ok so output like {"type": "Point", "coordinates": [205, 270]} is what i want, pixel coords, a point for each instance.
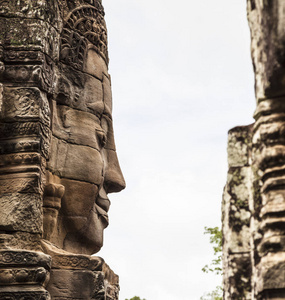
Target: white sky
{"type": "Point", "coordinates": [181, 78]}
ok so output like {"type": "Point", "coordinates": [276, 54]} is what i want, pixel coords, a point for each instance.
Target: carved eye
{"type": "Point", "coordinates": [102, 138]}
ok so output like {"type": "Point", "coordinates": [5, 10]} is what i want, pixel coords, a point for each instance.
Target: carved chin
{"type": "Point", "coordinates": [88, 240]}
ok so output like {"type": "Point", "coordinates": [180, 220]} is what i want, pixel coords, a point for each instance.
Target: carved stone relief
{"type": "Point", "coordinates": [58, 158]}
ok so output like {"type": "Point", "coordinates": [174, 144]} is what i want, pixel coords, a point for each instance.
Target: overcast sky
{"type": "Point", "coordinates": [181, 78]}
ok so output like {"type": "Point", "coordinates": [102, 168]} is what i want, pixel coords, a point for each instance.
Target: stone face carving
{"type": "Point", "coordinates": [83, 157]}
{"type": "Point", "coordinates": [260, 240]}
{"type": "Point", "coordinates": [58, 158]}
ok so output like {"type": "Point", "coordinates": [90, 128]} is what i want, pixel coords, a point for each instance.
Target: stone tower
{"type": "Point", "coordinates": [58, 159]}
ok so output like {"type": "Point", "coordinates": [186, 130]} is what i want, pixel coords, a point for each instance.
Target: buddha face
{"type": "Point", "coordinates": [83, 160]}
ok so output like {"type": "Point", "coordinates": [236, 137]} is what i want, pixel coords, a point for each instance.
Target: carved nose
{"type": "Point", "coordinates": [114, 180]}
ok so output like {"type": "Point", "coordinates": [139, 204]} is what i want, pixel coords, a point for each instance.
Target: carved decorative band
{"type": "Point", "coordinates": [43, 295]}
{"type": "Point", "coordinates": [23, 276]}
{"type": "Point", "coordinates": [25, 104]}
{"type": "Point", "coordinates": [42, 75]}
{"type": "Point", "coordinates": [75, 262]}
{"type": "Point", "coordinates": [71, 261]}
{"type": "Point", "coordinates": [40, 146]}
{"type": "Point", "coordinates": [25, 258]}
{"type": "Point", "coordinates": [21, 159]}
{"type": "Point", "coordinates": [20, 146]}
{"type": "Point", "coordinates": [23, 56]}
{"type": "Point", "coordinates": [9, 130]}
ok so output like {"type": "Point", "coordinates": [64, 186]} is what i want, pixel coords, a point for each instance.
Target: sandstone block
{"type": "Point", "coordinates": [238, 141]}
{"type": "Point", "coordinates": [76, 198]}
{"type": "Point", "coordinates": [69, 162]}
{"type": "Point", "coordinates": [21, 212]}
{"type": "Point", "coordinates": [267, 39]}
{"type": "Point", "coordinates": [28, 104]}
{"type": "Point", "coordinates": [96, 65]}
{"type": "Point", "coordinates": [66, 127]}
{"type": "Point", "coordinates": [23, 183]}
{"type": "Point", "coordinates": [238, 274]}
{"type": "Point", "coordinates": [79, 90]}
{"type": "Point", "coordinates": [107, 93]}
{"type": "Point", "coordinates": [32, 9]}
{"type": "Point", "coordinates": [68, 283]}
{"type": "Point", "coordinates": [29, 34]}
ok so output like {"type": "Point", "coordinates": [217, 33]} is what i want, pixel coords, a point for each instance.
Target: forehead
{"type": "Point", "coordinates": [96, 66]}
{"type": "Point", "coordinates": [88, 89]}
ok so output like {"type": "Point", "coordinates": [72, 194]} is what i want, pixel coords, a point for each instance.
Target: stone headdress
{"type": "Point", "coordinates": [84, 28]}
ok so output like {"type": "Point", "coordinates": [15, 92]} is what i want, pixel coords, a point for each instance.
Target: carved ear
{"type": "Point", "coordinates": [63, 90]}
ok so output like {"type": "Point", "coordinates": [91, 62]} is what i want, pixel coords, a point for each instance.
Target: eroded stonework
{"type": "Point", "coordinates": [58, 158]}
{"type": "Point", "coordinates": [254, 197]}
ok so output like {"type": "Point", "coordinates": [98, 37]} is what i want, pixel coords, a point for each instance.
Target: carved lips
{"type": "Point", "coordinates": [102, 205]}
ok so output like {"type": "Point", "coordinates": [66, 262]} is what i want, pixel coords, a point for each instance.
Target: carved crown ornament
{"type": "Point", "coordinates": [85, 28]}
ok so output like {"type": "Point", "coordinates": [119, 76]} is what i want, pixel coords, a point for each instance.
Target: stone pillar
{"type": "Point", "coordinates": [236, 216]}
{"type": "Point", "coordinates": [27, 57]}
{"type": "Point", "coordinates": [266, 159]}
{"type": "Point", "coordinates": [267, 20]}
{"type": "Point", "coordinates": [28, 51]}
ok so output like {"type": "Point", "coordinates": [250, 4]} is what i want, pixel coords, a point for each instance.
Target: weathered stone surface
{"type": "Point", "coordinates": [79, 90]}
{"type": "Point", "coordinates": [29, 34]}
{"type": "Point", "coordinates": [238, 141]}
{"type": "Point", "coordinates": [266, 22]}
{"type": "Point", "coordinates": [25, 104]}
{"type": "Point", "coordinates": [24, 274]}
{"type": "Point", "coordinates": [21, 212]}
{"type": "Point", "coordinates": [21, 240]}
{"type": "Point", "coordinates": [76, 162]}
{"type": "Point", "coordinates": [58, 158]}
{"type": "Point", "coordinates": [20, 159]}
{"type": "Point", "coordinates": [32, 9]}
{"type": "Point", "coordinates": [254, 202]}
{"type": "Point", "coordinates": [96, 66]}
{"type": "Point", "coordinates": [72, 281]}
{"type": "Point", "coordinates": [10, 258]}
{"type": "Point", "coordinates": [74, 200]}
{"type": "Point", "coordinates": [65, 127]}
{"type": "Point", "coordinates": [236, 216]}
{"type": "Point", "coordinates": [15, 293]}
{"type": "Point", "coordinates": [72, 271]}
{"type": "Point", "coordinates": [107, 92]}
{"type": "Point", "coordinates": [23, 183]}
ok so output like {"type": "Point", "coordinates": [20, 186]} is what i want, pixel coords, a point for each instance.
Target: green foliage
{"type": "Point", "coordinates": [214, 295]}
{"type": "Point", "coordinates": [135, 298]}
{"type": "Point", "coordinates": [216, 240]}
{"type": "Point", "coordinates": [216, 264]}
